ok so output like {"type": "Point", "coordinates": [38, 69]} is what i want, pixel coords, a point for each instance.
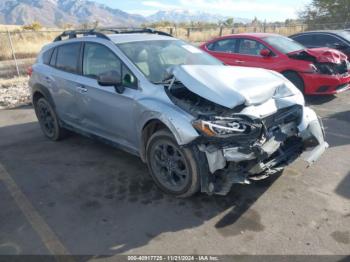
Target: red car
{"type": "Point", "coordinates": [316, 71]}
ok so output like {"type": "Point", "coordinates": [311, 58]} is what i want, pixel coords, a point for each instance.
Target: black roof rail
{"type": "Point", "coordinates": [74, 34]}
{"type": "Point", "coordinates": [99, 32]}
{"type": "Point", "coordinates": [133, 31]}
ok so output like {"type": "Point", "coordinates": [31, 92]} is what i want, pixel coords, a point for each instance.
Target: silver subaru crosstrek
{"type": "Point", "coordinates": [198, 124]}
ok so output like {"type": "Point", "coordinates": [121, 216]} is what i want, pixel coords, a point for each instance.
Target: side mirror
{"type": "Point", "coordinates": [265, 52]}
{"type": "Point", "coordinates": [112, 78]}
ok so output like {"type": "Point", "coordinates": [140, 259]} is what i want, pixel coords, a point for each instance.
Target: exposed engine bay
{"type": "Point", "coordinates": [240, 147]}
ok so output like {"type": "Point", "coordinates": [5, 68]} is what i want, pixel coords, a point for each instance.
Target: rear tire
{"type": "Point", "coordinates": [295, 79]}
{"type": "Point", "coordinates": [173, 168]}
{"type": "Point", "coordinates": [48, 120]}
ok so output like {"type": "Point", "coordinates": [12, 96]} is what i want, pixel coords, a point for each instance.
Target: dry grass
{"type": "Point", "coordinates": [28, 44]}
{"type": "Point", "coordinates": [25, 44]}
{"type": "Point", "coordinates": [10, 27]}
{"type": "Point", "coordinates": [198, 35]}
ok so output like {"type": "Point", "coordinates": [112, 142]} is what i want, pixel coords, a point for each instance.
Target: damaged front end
{"type": "Point", "coordinates": [240, 146]}
{"type": "Point", "coordinates": [283, 137]}
{"type": "Point", "coordinates": [324, 60]}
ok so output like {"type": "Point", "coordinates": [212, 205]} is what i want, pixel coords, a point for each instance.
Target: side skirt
{"type": "Point", "coordinates": [100, 139]}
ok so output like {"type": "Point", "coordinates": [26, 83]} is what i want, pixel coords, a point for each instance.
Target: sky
{"type": "Point", "coordinates": [271, 10]}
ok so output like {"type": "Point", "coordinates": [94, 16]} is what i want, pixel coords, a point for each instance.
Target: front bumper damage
{"type": "Point", "coordinates": [322, 84]}
{"type": "Point", "coordinates": [280, 146]}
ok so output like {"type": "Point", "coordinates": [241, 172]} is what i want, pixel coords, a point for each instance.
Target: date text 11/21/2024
{"type": "Point", "coordinates": [173, 258]}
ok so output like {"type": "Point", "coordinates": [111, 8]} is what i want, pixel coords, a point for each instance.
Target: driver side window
{"type": "Point", "coordinates": [100, 60]}
{"type": "Point", "coordinates": [250, 47]}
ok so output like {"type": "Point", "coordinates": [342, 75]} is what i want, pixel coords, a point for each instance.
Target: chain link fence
{"type": "Point", "coordinates": [18, 49]}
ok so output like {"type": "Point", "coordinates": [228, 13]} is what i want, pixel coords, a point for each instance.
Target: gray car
{"type": "Point", "coordinates": [198, 124]}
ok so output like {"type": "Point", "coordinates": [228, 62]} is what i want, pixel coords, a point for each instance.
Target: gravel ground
{"type": "Point", "coordinates": [14, 92]}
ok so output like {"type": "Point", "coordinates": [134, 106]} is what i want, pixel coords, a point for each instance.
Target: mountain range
{"type": "Point", "coordinates": [51, 13]}
{"type": "Point", "coordinates": [180, 15]}
{"type": "Point", "coordinates": [58, 12]}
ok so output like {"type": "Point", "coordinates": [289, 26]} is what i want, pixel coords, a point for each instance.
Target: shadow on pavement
{"type": "Point", "coordinates": [100, 200]}
{"type": "Point", "coordinates": [319, 100]}
{"type": "Point", "coordinates": [337, 127]}
{"type": "Point", "coordinates": [343, 189]}
{"type": "Point", "coordinates": [342, 116]}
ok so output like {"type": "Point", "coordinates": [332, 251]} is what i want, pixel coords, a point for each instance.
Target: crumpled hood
{"type": "Point", "coordinates": [229, 86]}
{"type": "Point", "coordinates": [325, 55]}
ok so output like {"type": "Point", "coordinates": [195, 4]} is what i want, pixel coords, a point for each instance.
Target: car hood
{"type": "Point", "coordinates": [229, 86]}
{"type": "Point", "coordinates": [323, 55]}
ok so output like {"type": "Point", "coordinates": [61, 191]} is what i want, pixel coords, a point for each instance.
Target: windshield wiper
{"type": "Point", "coordinates": [166, 80]}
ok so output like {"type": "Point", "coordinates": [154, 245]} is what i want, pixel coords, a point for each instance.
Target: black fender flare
{"type": "Point", "coordinates": [44, 91]}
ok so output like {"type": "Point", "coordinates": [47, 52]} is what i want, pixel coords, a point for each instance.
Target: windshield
{"type": "Point", "coordinates": [345, 35]}
{"type": "Point", "coordinates": [154, 58]}
{"type": "Point", "coordinates": [284, 44]}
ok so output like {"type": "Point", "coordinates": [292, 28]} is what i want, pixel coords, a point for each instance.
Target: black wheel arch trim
{"type": "Point", "coordinates": [44, 91]}
{"type": "Point", "coordinates": [294, 72]}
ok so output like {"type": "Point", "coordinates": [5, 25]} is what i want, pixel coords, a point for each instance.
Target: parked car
{"type": "Point", "coordinates": [317, 71]}
{"type": "Point", "coordinates": [337, 39]}
{"type": "Point", "coordinates": [198, 124]}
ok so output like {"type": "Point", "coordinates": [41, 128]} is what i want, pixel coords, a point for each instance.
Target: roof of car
{"type": "Point", "coordinates": [125, 38]}
{"type": "Point", "coordinates": [319, 31]}
{"type": "Point", "coordinates": [257, 35]}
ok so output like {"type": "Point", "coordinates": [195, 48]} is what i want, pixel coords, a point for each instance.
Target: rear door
{"type": "Point", "coordinates": [103, 111]}
{"type": "Point", "coordinates": [63, 80]}
{"type": "Point", "coordinates": [225, 50]}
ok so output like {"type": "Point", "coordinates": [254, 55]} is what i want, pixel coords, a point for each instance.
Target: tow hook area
{"type": "Point", "coordinates": [314, 135]}
{"type": "Point", "coordinates": [245, 172]}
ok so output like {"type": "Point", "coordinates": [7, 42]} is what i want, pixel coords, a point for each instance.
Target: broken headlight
{"type": "Point", "coordinates": [313, 69]}
{"type": "Point", "coordinates": [223, 127]}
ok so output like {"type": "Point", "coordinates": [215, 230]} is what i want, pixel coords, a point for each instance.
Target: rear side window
{"type": "Point", "coordinates": [327, 40]}
{"type": "Point", "coordinates": [68, 57]}
{"type": "Point", "coordinates": [225, 45]}
{"type": "Point", "coordinates": [306, 40]}
{"type": "Point", "coordinates": [47, 56]}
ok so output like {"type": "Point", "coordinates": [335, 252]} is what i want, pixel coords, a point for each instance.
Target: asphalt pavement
{"type": "Point", "coordinates": [79, 196]}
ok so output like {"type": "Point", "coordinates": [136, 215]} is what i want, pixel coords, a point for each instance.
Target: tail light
{"type": "Point", "coordinates": [30, 71]}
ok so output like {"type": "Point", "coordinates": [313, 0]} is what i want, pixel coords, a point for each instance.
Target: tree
{"type": "Point", "coordinates": [95, 24]}
{"type": "Point", "coordinates": [229, 22]}
{"type": "Point", "coordinates": [255, 22]}
{"type": "Point", "coordinates": [327, 12]}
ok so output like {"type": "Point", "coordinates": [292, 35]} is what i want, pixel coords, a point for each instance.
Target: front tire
{"type": "Point", "coordinates": [173, 168]}
{"type": "Point", "coordinates": [296, 80]}
{"type": "Point", "coordinates": [48, 120]}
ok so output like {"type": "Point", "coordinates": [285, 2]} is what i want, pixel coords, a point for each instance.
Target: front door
{"type": "Point", "coordinates": [102, 110]}
{"type": "Point", "coordinates": [248, 53]}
